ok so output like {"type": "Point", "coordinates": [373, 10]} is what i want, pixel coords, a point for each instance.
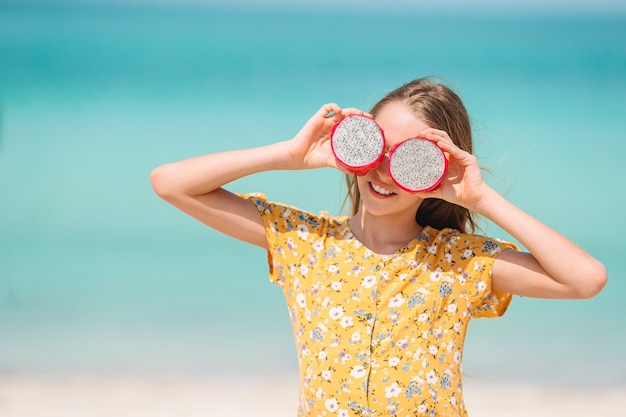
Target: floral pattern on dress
{"type": "Point", "coordinates": [378, 335]}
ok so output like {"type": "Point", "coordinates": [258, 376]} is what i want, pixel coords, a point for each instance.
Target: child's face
{"type": "Point", "coordinates": [380, 195]}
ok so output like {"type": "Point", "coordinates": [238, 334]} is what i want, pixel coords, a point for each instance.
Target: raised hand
{"type": "Point", "coordinates": [463, 183]}
{"type": "Point", "coordinates": [310, 148]}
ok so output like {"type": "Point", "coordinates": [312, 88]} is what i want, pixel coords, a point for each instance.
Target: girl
{"type": "Point", "coordinates": [380, 300]}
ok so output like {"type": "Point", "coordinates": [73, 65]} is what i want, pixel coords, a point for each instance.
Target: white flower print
{"type": "Point", "coordinates": [336, 313]}
{"type": "Point", "coordinates": [396, 300]}
{"type": "Point", "coordinates": [451, 308]}
{"type": "Point", "coordinates": [304, 350]}
{"type": "Point", "coordinates": [478, 267]}
{"type": "Point", "coordinates": [331, 405]}
{"type": "Point", "coordinates": [303, 231]}
{"type": "Point", "coordinates": [346, 321]}
{"type": "Point", "coordinates": [432, 249]}
{"type": "Point", "coordinates": [344, 357]}
{"type": "Point", "coordinates": [431, 377]}
{"type": "Point", "coordinates": [436, 275]}
{"type": "Point", "coordinates": [333, 269]}
{"type": "Point", "coordinates": [432, 349]}
{"type": "Point", "coordinates": [422, 409]}
{"type": "Point", "coordinates": [392, 391]}
{"type": "Point", "coordinates": [368, 281]}
{"type": "Point", "coordinates": [463, 278]}
{"type": "Point", "coordinates": [335, 248]}
{"type": "Point", "coordinates": [438, 333]}
{"type": "Point", "coordinates": [357, 269]}
{"type": "Point", "coordinates": [403, 343]}
{"type": "Point", "coordinates": [336, 285]}
{"type": "Point", "coordinates": [482, 285]}
{"type": "Point", "coordinates": [318, 245]}
{"type": "Point", "coordinates": [301, 300]}
{"type": "Point", "coordinates": [467, 253]}
{"type": "Point", "coordinates": [343, 413]}
{"type": "Point", "coordinates": [448, 257]}
{"type": "Point", "coordinates": [393, 361]}
{"type": "Point", "coordinates": [304, 269]}
{"type": "Point", "coordinates": [327, 374]}
{"type": "Point", "coordinates": [356, 336]}
{"type": "Point", "coordinates": [422, 317]}
{"type": "Point", "coordinates": [315, 289]}
{"type": "Point", "coordinates": [358, 372]}
{"type": "Point", "coordinates": [457, 356]}
{"type": "Point", "coordinates": [291, 245]}
{"type": "Point", "coordinates": [322, 355]}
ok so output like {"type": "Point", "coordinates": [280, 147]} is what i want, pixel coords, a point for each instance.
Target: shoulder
{"type": "Point", "coordinates": [466, 245]}
{"type": "Point", "coordinates": [291, 216]}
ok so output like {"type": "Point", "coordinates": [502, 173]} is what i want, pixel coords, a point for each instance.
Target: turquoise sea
{"type": "Point", "coordinates": [98, 275]}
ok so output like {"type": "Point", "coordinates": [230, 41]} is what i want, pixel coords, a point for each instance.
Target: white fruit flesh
{"type": "Point", "coordinates": [357, 141]}
{"type": "Point", "coordinates": [417, 165]}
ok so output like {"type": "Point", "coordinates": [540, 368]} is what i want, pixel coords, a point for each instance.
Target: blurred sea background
{"type": "Point", "coordinates": [97, 275]}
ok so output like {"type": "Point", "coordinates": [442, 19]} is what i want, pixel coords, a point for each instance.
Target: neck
{"type": "Point", "coordinates": [383, 234]}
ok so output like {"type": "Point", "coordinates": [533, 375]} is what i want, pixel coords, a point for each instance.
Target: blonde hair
{"type": "Point", "coordinates": [440, 108]}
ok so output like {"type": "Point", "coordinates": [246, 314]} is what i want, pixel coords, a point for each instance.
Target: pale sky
{"type": "Point", "coordinates": [475, 6]}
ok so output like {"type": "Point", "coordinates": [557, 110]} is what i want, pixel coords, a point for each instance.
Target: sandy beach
{"type": "Point", "coordinates": [262, 396]}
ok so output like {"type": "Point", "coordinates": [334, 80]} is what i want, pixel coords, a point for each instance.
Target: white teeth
{"type": "Point", "coordinates": [380, 190]}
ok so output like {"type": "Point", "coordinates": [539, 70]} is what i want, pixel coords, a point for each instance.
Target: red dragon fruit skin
{"type": "Point", "coordinates": [417, 165]}
{"type": "Point", "coordinates": [358, 144]}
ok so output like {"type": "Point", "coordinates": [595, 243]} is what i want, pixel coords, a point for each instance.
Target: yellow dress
{"type": "Point", "coordinates": [378, 335]}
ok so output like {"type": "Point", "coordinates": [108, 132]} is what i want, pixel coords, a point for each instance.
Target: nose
{"type": "Point", "coordinates": [382, 170]}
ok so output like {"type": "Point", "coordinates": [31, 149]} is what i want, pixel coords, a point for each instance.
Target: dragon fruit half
{"type": "Point", "coordinates": [358, 144]}
{"type": "Point", "coordinates": [417, 165]}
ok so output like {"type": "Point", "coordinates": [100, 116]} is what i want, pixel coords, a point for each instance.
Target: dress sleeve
{"type": "Point", "coordinates": [287, 231]}
{"type": "Point", "coordinates": [475, 256]}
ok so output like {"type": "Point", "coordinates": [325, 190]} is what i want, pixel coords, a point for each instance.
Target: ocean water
{"type": "Point", "coordinates": [98, 275]}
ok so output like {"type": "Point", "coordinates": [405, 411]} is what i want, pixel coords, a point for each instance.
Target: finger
{"type": "Point", "coordinates": [442, 139]}
{"type": "Point", "coordinates": [353, 111]}
{"type": "Point", "coordinates": [329, 110]}
{"type": "Point", "coordinates": [435, 135]}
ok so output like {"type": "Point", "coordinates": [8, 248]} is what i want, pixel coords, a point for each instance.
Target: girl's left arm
{"type": "Point", "coordinates": [553, 267]}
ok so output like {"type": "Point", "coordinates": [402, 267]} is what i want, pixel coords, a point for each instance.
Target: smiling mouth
{"type": "Point", "coordinates": [380, 190]}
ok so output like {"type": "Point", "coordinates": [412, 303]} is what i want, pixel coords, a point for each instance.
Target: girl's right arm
{"type": "Point", "coordinates": [195, 185]}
